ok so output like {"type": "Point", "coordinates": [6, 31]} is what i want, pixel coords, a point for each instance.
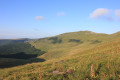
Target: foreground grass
{"type": "Point", "coordinates": [105, 59]}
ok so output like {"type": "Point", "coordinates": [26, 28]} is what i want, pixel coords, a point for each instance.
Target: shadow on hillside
{"type": "Point", "coordinates": [55, 40]}
{"type": "Point", "coordinates": [17, 59]}
{"type": "Point", "coordinates": [10, 62]}
{"type": "Point", "coordinates": [20, 55]}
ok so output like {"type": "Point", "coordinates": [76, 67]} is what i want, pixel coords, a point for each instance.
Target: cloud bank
{"type": "Point", "coordinates": [99, 12]}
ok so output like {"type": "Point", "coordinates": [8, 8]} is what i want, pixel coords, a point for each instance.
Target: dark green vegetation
{"type": "Point", "coordinates": [80, 55]}
{"type": "Point", "coordinates": [19, 48]}
{"type": "Point", "coordinates": [19, 54]}
{"type": "Point", "coordinates": [75, 40]}
{"type": "Point", "coordinates": [55, 40]}
{"type": "Point", "coordinates": [12, 62]}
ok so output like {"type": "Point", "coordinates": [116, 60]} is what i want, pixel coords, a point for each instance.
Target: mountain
{"type": "Point", "coordinates": [82, 55]}
{"type": "Point", "coordinates": [71, 43]}
{"type": "Point", "coordinates": [12, 41]}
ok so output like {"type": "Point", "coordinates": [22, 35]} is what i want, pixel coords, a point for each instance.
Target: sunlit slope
{"type": "Point", "coordinates": [105, 59]}
{"type": "Point", "coordinates": [70, 43]}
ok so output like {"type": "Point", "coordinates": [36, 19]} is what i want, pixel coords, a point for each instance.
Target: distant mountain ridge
{"type": "Point", "coordinates": [12, 41]}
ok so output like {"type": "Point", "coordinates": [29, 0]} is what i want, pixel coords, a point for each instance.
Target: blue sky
{"type": "Point", "coordinates": [43, 18]}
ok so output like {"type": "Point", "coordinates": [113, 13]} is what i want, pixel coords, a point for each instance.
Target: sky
{"type": "Point", "coordinates": [44, 18]}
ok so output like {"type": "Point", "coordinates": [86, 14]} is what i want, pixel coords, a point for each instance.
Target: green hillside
{"type": "Point", "coordinates": [18, 47]}
{"type": "Point", "coordinates": [19, 50]}
{"type": "Point", "coordinates": [98, 63]}
{"type": "Point", "coordinates": [19, 54]}
{"type": "Point", "coordinates": [70, 43]}
{"type": "Point", "coordinates": [80, 55]}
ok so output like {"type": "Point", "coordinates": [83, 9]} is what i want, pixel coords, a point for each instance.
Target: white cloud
{"type": "Point", "coordinates": [61, 14]}
{"type": "Point", "coordinates": [99, 12]}
{"type": "Point", "coordinates": [39, 18]}
{"type": "Point", "coordinates": [117, 13]}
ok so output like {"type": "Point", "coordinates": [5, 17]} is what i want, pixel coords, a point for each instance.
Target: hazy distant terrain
{"type": "Point", "coordinates": [12, 41]}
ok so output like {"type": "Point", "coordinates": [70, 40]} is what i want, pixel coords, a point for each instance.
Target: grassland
{"type": "Point", "coordinates": [83, 40]}
{"type": "Point", "coordinates": [72, 56]}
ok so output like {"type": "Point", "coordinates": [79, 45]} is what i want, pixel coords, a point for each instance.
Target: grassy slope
{"type": "Point", "coordinates": [105, 59]}
{"type": "Point", "coordinates": [64, 48]}
{"type": "Point", "coordinates": [104, 56]}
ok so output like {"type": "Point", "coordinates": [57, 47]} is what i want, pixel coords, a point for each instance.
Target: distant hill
{"type": "Point", "coordinates": [12, 41]}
